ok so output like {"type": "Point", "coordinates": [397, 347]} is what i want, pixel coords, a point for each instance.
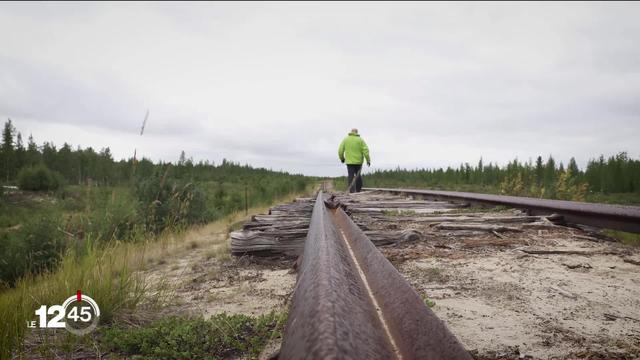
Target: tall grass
{"type": "Point", "coordinates": [103, 273]}
{"type": "Point", "coordinates": [106, 272]}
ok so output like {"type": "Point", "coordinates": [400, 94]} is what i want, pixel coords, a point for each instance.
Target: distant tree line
{"type": "Point", "coordinates": [76, 166]}
{"type": "Point", "coordinates": [97, 167]}
{"type": "Point", "coordinates": [547, 179]}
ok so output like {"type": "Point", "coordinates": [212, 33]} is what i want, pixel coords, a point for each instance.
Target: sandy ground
{"type": "Point", "coordinates": [501, 301]}
{"type": "Point", "coordinates": [204, 280]}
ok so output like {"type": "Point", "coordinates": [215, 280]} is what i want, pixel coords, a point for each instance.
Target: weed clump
{"type": "Point", "coordinates": [171, 203]}
{"type": "Point", "coordinates": [221, 336]}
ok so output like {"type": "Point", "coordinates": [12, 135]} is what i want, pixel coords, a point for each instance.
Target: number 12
{"type": "Point", "coordinates": [55, 322]}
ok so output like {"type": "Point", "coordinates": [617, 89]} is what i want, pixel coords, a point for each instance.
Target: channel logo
{"type": "Point", "coordinates": [79, 314]}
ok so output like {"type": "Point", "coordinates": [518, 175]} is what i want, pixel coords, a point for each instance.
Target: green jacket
{"type": "Point", "coordinates": [353, 149]}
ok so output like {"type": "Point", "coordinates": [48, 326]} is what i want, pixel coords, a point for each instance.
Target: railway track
{"type": "Point", "coordinates": [351, 303]}
{"type": "Point", "coordinates": [617, 217]}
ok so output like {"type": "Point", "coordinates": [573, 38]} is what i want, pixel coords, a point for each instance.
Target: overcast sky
{"type": "Point", "coordinates": [279, 85]}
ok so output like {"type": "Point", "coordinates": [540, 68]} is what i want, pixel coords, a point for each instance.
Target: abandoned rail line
{"type": "Point", "coordinates": [616, 217]}
{"type": "Point", "coordinates": [351, 302]}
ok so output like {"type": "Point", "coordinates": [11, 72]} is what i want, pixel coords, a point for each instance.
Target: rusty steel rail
{"type": "Point", "coordinates": [351, 303]}
{"type": "Point", "coordinates": [617, 217]}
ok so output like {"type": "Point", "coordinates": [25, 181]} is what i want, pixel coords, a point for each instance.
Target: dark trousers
{"type": "Point", "coordinates": [353, 170]}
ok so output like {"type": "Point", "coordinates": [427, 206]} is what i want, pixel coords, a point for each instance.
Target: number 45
{"type": "Point", "coordinates": [85, 314]}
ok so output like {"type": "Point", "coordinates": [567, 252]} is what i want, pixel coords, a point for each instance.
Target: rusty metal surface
{"type": "Point", "coordinates": [351, 303]}
{"type": "Point", "coordinates": [617, 217]}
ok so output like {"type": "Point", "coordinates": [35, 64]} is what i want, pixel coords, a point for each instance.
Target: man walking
{"type": "Point", "coordinates": [353, 150]}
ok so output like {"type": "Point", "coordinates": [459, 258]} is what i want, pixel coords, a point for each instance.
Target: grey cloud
{"type": "Point", "coordinates": [50, 95]}
{"type": "Point", "coordinates": [279, 85]}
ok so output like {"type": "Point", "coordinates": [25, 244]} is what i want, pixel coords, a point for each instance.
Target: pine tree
{"type": "Point", "coordinates": [539, 171]}
{"type": "Point", "coordinates": [49, 155]}
{"type": "Point", "coordinates": [7, 152]}
{"type": "Point", "coordinates": [105, 166]}
{"type": "Point", "coordinates": [549, 182]}
{"type": "Point", "coordinates": [21, 153]}
{"type": "Point", "coordinates": [65, 163]}
{"type": "Point", "coordinates": [33, 155]}
{"type": "Point", "coordinates": [573, 168]}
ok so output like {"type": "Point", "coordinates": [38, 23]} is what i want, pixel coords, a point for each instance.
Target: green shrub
{"type": "Point", "coordinates": [114, 219]}
{"type": "Point", "coordinates": [34, 248]}
{"type": "Point", "coordinates": [221, 336]}
{"type": "Point", "coordinates": [39, 178]}
{"type": "Point", "coordinates": [168, 203]}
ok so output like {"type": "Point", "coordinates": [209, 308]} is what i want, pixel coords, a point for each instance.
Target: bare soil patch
{"type": "Point", "coordinates": [204, 280]}
{"type": "Point", "coordinates": [502, 302]}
